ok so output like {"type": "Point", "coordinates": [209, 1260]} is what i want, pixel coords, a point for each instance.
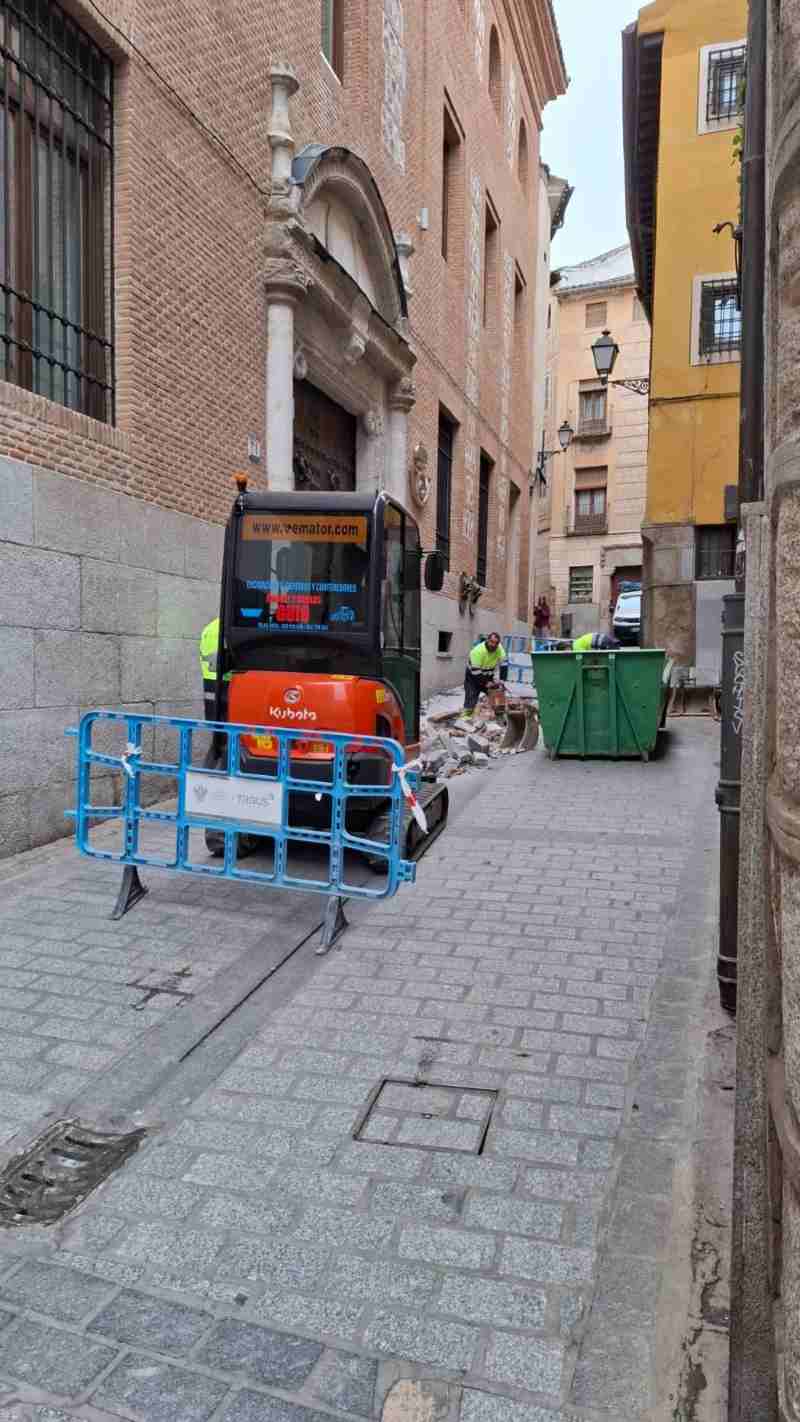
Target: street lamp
{"type": "Point", "coordinates": [604, 353]}
{"type": "Point", "coordinates": [565, 434]}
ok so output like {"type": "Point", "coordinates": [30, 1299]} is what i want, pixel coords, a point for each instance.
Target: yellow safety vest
{"type": "Point", "coordinates": [209, 650]}
{"type": "Point", "coordinates": [481, 659]}
{"type": "Point", "coordinates": [583, 644]}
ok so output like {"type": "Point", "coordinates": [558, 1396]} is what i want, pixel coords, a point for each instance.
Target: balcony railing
{"type": "Point", "coordinates": [589, 523]}
{"type": "Point", "coordinates": [594, 429]}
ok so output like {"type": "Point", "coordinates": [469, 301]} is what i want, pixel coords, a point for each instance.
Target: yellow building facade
{"type": "Point", "coordinates": [683, 67]}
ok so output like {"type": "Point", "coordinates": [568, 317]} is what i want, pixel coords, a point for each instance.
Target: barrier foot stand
{"type": "Point", "coordinates": [130, 892]}
{"type": "Point", "coordinates": [334, 925]}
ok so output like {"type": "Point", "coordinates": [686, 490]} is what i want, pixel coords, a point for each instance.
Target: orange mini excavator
{"type": "Point", "coordinates": [320, 630]}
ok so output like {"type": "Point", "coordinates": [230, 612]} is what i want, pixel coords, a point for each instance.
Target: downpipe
{"type": "Point", "coordinates": [728, 794]}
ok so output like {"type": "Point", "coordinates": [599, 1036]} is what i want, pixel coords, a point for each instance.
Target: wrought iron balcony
{"type": "Point", "coordinates": [593, 429]}
{"type": "Point", "coordinates": [589, 524]}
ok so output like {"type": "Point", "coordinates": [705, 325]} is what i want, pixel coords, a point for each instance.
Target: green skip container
{"type": "Point", "coordinates": [602, 703]}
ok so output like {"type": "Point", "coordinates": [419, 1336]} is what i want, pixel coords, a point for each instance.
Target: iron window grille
{"type": "Point", "coordinates": [715, 551]}
{"type": "Point", "coordinates": [581, 584]}
{"type": "Point", "coordinates": [720, 318]}
{"type": "Point", "coordinates": [725, 92]}
{"type": "Point", "coordinates": [590, 503]}
{"type": "Point", "coordinates": [444, 485]}
{"type": "Point", "coordinates": [484, 485]}
{"type": "Point", "coordinates": [596, 315]}
{"type": "Point", "coordinates": [592, 412]}
{"type": "Point", "coordinates": [56, 181]}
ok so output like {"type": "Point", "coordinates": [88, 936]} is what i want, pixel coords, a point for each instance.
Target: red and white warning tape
{"type": "Point", "coordinates": [401, 771]}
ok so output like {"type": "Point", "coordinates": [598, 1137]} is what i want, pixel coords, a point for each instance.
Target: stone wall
{"type": "Point", "coordinates": [765, 1367]}
{"type": "Point", "coordinates": [102, 600]}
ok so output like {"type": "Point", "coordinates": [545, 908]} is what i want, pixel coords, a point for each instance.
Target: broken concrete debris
{"type": "Point", "coordinates": [452, 745]}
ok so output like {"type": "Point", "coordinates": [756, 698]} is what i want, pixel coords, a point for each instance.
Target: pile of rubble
{"type": "Point", "coordinates": [452, 747]}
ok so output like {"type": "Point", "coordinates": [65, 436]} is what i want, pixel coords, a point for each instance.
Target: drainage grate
{"type": "Point", "coordinates": [428, 1115]}
{"type": "Point", "coordinates": [59, 1170]}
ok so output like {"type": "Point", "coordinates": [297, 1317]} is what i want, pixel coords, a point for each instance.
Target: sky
{"type": "Point", "coordinates": [582, 137]}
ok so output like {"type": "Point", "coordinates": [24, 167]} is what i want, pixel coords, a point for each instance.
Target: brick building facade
{"type": "Point", "coordinates": [180, 312]}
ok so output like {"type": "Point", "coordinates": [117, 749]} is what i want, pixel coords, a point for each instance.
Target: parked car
{"type": "Point", "coordinates": [627, 621]}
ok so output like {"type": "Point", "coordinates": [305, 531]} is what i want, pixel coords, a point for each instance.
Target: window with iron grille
{"type": "Point", "coordinates": [590, 503]}
{"type": "Point", "coordinates": [444, 484]}
{"type": "Point", "coordinates": [720, 318]}
{"type": "Point", "coordinates": [56, 160]}
{"type": "Point", "coordinates": [715, 551]}
{"type": "Point", "coordinates": [592, 413]}
{"type": "Point", "coordinates": [581, 584]}
{"type": "Point", "coordinates": [725, 86]}
{"type": "Point", "coordinates": [596, 314]}
{"type": "Point", "coordinates": [638, 310]}
{"type": "Point", "coordinates": [484, 486]}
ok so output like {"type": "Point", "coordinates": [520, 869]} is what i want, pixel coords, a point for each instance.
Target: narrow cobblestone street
{"type": "Point", "coordinates": [552, 973]}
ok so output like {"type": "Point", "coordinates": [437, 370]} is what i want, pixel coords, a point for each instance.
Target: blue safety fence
{"type": "Point", "coordinates": [230, 802]}
{"type": "Point", "coordinates": [520, 666]}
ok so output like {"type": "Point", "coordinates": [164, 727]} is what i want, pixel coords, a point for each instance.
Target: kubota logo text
{"type": "Point", "coordinates": [285, 713]}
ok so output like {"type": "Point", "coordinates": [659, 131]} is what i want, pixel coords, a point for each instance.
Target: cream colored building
{"type": "Point", "coordinates": [554, 198]}
{"type": "Point", "coordinates": [596, 491]}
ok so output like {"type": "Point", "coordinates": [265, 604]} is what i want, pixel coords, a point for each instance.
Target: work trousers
{"type": "Point", "coordinates": [209, 705]}
{"type": "Point", "coordinates": [474, 684]}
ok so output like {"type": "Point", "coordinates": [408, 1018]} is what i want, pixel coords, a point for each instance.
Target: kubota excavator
{"type": "Point", "coordinates": [320, 630]}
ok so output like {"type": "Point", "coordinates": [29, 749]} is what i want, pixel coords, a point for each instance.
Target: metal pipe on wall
{"type": "Point", "coordinates": [751, 483]}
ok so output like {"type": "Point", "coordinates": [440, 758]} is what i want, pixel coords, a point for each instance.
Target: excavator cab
{"type": "Point", "coordinates": [320, 630]}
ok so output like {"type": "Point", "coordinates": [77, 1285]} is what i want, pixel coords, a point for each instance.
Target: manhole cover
{"type": "Point", "coordinates": [59, 1170]}
{"type": "Point", "coordinates": [428, 1115]}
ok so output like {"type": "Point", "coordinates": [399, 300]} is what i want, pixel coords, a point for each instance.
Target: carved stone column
{"type": "Point", "coordinates": [281, 140]}
{"type": "Point", "coordinates": [401, 400]}
{"type": "Point", "coordinates": [286, 284]}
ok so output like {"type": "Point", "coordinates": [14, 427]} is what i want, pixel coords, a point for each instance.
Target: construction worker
{"type": "Point", "coordinates": [209, 652]}
{"type": "Point", "coordinates": [483, 661]}
{"type": "Point", "coordinates": [595, 642]}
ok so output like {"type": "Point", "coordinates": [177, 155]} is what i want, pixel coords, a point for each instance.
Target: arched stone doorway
{"type": "Point", "coordinates": [339, 364]}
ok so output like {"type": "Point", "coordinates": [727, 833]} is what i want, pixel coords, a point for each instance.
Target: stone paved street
{"type": "Point", "coordinates": [461, 1147]}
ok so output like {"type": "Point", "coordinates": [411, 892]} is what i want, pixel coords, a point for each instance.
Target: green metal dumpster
{"type": "Point", "coordinates": [601, 703]}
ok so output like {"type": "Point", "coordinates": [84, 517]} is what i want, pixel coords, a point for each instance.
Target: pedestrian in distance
{"type": "Point", "coordinates": [541, 619]}
{"type": "Point", "coordinates": [485, 659]}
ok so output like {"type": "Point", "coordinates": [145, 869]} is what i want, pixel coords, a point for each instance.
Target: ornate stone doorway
{"type": "Point", "coordinates": [337, 319]}
{"type": "Point", "coordinates": [324, 442]}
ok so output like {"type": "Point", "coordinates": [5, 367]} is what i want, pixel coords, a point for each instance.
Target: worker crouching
{"type": "Point", "coordinates": [485, 659]}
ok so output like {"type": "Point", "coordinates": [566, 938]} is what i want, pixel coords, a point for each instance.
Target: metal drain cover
{"type": "Point", "coordinates": [59, 1170]}
{"type": "Point", "coordinates": [429, 1115]}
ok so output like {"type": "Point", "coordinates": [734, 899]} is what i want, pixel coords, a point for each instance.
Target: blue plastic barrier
{"type": "Point", "coordinates": [263, 803]}
{"type": "Point", "coordinates": [520, 666]}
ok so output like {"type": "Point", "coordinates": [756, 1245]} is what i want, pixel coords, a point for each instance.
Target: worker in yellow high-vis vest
{"type": "Point", "coordinates": [485, 658]}
{"type": "Point", "coordinates": [209, 653]}
{"type": "Point", "coordinates": [595, 642]}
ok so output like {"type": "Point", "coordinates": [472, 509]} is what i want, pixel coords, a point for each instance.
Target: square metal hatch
{"type": "Point", "coordinates": [426, 1115]}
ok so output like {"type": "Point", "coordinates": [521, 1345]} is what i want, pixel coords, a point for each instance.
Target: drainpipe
{"type": "Point", "coordinates": [751, 483]}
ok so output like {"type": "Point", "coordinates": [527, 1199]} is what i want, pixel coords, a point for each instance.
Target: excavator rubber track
{"type": "Point", "coordinates": [435, 801]}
